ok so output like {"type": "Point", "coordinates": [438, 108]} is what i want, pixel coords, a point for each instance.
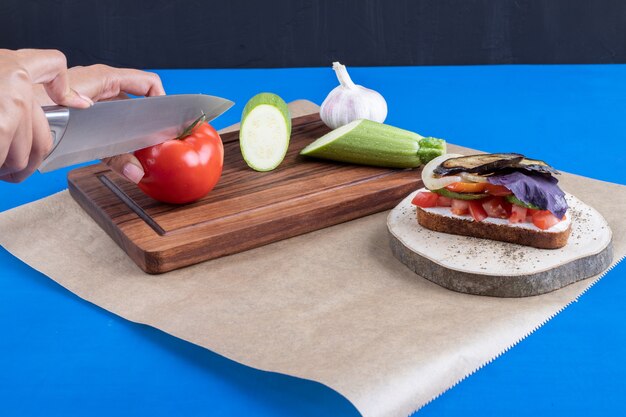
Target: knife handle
{"type": "Point", "coordinates": [58, 118]}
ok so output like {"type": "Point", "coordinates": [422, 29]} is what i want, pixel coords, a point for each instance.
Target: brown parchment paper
{"type": "Point", "coordinates": [332, 306]}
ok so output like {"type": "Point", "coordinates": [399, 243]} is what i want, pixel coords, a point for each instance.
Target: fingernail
{"type": "Point", "coordinates": [133, 172]}
{"type": "Point", "coordinates": [87, 99]}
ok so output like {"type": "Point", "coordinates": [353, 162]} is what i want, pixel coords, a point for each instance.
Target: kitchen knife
{"type": "Point", "coordinates": [114, 127]}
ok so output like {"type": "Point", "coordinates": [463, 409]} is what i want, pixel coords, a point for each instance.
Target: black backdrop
{"type": "Point", "coordinates": [293, 33]}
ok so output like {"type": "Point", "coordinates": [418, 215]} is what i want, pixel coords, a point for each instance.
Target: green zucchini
{"type": "Point", "coordinates": [460, 196]}
{"type": "Point", "coordinates": [514, 200]}
{"type": "Point", "coordinates": [371, 143]}
{"type": "Point", "coordinates": [265, 131]}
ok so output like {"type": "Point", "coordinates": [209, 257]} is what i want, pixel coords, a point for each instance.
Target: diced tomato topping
{"type": "Point", "coordinates": [518, 214]}
{"type": "Point", "coordinates": [425, 199]}
{"type": "Point", "coordinates": [477, 211]}
{"type": "Point", "coordinates": [497, 190]}
{"type": "Point", "coordinates": [508, 207]}
{"type": "Point", "coordinates": [544, 220]}
{"type": "Point", "coordinates": [529, 214]}
{"type": "Point", "coordinates": [494, 208]}
{"type": "Point", "coordinates": [444, 201]}
{"type": "Point", "coordinates": [459, 207]}
{"type": "Point", "coordinates": [467, 187]}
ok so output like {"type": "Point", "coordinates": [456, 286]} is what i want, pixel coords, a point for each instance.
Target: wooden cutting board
{"type": "Point", "coordinates": [247, 209]}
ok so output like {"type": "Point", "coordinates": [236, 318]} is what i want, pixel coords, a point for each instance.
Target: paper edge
{"type": "Point", "coordinates": [594, 281]}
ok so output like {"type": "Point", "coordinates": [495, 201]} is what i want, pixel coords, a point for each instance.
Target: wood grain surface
{"type": "Point", "coordinates": [246, 209]}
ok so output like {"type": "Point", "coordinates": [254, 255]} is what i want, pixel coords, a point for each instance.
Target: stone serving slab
{"type": "Point", "coordinates": [486, 267]}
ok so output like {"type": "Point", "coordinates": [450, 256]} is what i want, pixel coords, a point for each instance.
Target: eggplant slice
{"type": "Point", "coordinates": [486, 164]}
{"type": "Point", "coordinates": [536, 165]}
{"type": "Point", "coordinates": [478, 164]}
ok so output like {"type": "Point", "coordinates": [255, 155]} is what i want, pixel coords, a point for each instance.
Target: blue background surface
{"type": "Point", "coordinates": [62, 356]}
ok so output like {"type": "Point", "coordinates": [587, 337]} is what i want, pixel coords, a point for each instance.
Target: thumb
{"type": "Point", "coordinates": [49, 67]}
{"type": "Point", "coordinates": [126, 165]}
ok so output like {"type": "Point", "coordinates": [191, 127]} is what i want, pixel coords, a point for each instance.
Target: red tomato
{"type": "Point", "coordinates": [507, 207]}
{"type": "Point", "coordinates": [477, 211]}
{"type": "Point", "coordinates": [444, 201]}
{"type": "Point", "coordinates": [518, 214]}
{"type": "Point", "coordinates": [183, 170]}
{"type": "Point", "coordinates": [467, 187]}
{"type": "Point", "coordinates": [459, 207]}
{"type": "Point", "coordinates": [497, 190]}
{"type": "Point", "coordinates": [543, 219]}
{"type": "Point", "coordinates": [529, 214]}
{"type": "Point", "coordinates": [494, 207]}
{"type": "Point", "coordinates": [425, 199]}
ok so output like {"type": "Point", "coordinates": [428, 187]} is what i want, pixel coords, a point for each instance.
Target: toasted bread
{"type": "Point", "coordinates": [466, 226]}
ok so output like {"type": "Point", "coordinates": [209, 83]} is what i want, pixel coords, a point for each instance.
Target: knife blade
{"type": "Point", "coordinates": [114, 127]}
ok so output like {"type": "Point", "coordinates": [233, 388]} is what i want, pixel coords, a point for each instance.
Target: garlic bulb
{"type": "Point", "coordinates": [349, 102]}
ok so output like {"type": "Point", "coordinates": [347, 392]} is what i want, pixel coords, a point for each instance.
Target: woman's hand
{"type": "Point", "coordinates": [101, 82]}
{"type": "Point", "coordinates": [25, 137]}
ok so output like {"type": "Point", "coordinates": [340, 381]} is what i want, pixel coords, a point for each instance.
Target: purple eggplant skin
{"type": "Point", "coordinates": [488, 164]}
{"type": "Point", "coordinates": [478, 164]}
{"type": "Point", "coordinates": [535, 165]}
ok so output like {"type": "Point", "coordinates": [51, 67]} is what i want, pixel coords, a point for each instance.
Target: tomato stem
{"type": "Point", "coordinates": [190, 128]}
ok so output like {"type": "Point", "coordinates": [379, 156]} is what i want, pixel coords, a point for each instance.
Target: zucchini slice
{"type": "Point", "coordinates": [265, 131]}
{"type": "Point", "coordinates": [460, 196]}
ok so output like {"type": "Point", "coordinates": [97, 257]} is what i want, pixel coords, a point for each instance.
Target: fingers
{"type": "Point", "coordinates": [41, 146]}
{"type": "Point", "coordinates": [9, 124]}
{"type": "Point", "coordinates": [18, 151]}
{"type": "Point", "coordinates": [25, 136]}
{"type": "Point", "coordinates": [49, 67]}
{"type": "Point", "coordinates": [126, 165]}
{"type": "Point", "coordinates": [101, 82]}
{"type": "Point", "coordinates": [139, 83]}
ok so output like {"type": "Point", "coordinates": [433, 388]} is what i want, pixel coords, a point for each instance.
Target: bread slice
{"type": "Point", "coordinates": [512, 233]}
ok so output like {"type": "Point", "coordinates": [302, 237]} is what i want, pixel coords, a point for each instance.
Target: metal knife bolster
{"type": "Point", "coordinates": [58, 118]}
